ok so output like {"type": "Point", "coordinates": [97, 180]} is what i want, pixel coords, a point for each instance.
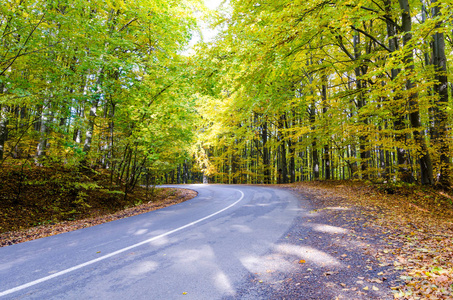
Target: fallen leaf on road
{"type": "Point", "coordinates": [328, 273]}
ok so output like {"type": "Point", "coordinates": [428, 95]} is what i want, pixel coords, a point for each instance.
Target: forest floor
{"type": "Point", "coordinates": [414, 225]}
{"type": "Point", "coordinates": [408, 229]}
{"type": "Point", "coordinates": [40, 202]}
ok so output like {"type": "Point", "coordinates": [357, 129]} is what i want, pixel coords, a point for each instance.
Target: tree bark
{"type": "Point", "coordinates": [284, 164]}
{"type": "Point", "coordinates": [399, 116]}
{"type": "Point", "coordinates": [3, 129]}
{"type": "Point", "coordinates": [292, 161]}
{"type": "Point", "coordinates": [360, 85]}
{"type": "Point", "coordinates": [314, 151]}
{"type": "Point", "coordinates": [41, 149]}
{"type": "Point", "coordinates": [266, 158]}
{"type": "Point", "coordinates": [439, 61]}
{"type": "Point", "coordinates": [326, 154]}
{"type": "Point", "coordinates": [90, 129]}
{"type": "Point", "coordinates": [426, 169]}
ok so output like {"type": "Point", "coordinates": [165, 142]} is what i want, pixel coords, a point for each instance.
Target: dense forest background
{"type": "Point", "coordinates": [96, 84]}
{"type": "Point", "coordinates": [307, 90]}
{"type": "Point", "coordinates": [287, 91]}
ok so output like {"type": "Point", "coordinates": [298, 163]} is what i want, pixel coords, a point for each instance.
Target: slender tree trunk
{"type": "Point", "coordinates": [360, 85]}
{"type": "Point", "coordinates": [178, 176]}
{"type": "Point", "coordinates": [284, 164]}
{"type": "Point", "coordinates": [292, 162]}
{"type": "Point", "coordinates": [3, 124]}
{"type": "Point", "coordinates": [426, 170]}
{"type": "Point", "coordinates": [399, 116]}
{"type": "Point", "coordinates": [266, 158]}
{"type": "Point", "coordinates": [314, 151]}
{"type": "Point", "coordinates": [3, 129]}
{"type": "Point", "coordinates": [326, 154]}
{"type": "Point", "coordinates": [90, 129]}
{"type": "Point", "coordinates": [433, 134]}
{"type": "Point", "coordinates": [439, 61]}
{"type": "Point", "coordinates": [41, 149]}
{"type": "Point", "coordinates": [76, 137]}
{"type": "Point", "coordinates": [185, 175]}
{"type": "Point", "coordinates": [110, 138]}
{"type": "Point", "coordinates": [234, 167]}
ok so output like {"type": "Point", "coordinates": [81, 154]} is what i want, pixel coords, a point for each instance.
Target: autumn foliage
{"type": "Point", "coordinates": [303, 90]}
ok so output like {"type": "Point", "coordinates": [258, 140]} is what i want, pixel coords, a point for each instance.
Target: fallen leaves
{"type": "Point", "coordinates": [416, 223]}
{"type": "Point", "coordinates": [328, 273]}
{"type": "Point", "coordinates": [96, 216]}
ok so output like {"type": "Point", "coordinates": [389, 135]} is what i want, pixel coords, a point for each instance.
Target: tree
{"type": "Point", "coordinates": [363, 96]}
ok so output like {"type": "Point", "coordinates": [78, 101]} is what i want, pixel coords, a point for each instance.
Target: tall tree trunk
{"type": "Point", "coordinates": [426, 169]}
{"type": "Point", "coordinates": [234, 167]}
{"type": "Point", "coordinates": [314, 151]}
{"type": "Point", "coordinates": [3, 124]}
{"type": "Point", "coordinates": [326, 154]}
{"type": "Point", "coordinates": [360, 85]}
{"type": "Point", "coordinates": [41, 149]}
{"type": "Point", "coordinates": [110, 138]}
{"type": "Point", "coordinates": [76, 137]}
{"type": "Point", "coordinates": [292, 161]}
{"type": "Point", "coordinates": [284, 164]}
{"type": "Point", "coordinates": [90, 129]}
{"type": "Point", "coordinates": [185, 174]}
{"type": "Point", "coordinates": [3, 129]}
{"type": "Point", "coordinates": [432, 103]}
{"type": "Point", "coordinates": [266, 158]}
{"type": "Point", "coordinates": [399, 116]}
{"type": "Point", "coordinates": [439, 61]}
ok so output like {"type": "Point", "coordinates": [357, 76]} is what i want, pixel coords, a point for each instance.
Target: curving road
{"type": "Point", "coordinates": [203, 248]}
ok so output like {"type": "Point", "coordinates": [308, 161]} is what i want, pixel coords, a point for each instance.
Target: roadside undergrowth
{"type": "Point", "coordinates": [43, 201]}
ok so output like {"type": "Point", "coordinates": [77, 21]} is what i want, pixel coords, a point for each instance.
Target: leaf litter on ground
{"type": "Point", "coordinates": [51, 201]}
{"type": "Point", "coordinates": [416, 223]}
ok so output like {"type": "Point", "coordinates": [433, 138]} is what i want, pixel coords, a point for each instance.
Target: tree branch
{"type": "Point", "coordinates": [21, 48]}
{"type": "Point", "coordinates": [384, 18]}
{"type": "Point", "coordinates": [127, 24]}
{"type": "Point", "coordinates": [342, 47]}
{"type": "Point", "coordinates": [371, 37]}
{"type": "Point", "coordinates": [26, 53]}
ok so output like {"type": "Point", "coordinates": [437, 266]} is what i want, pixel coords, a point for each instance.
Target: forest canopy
{"type": "Point", "coordinates": [287, 91]}
{"type": "Point", "coordinates": [308, 90]}
{"type": "Point", "coordinates": [97, 84]}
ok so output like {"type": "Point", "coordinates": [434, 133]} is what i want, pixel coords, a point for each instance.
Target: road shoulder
{"type": "Point", "coordinates": [329, 253]}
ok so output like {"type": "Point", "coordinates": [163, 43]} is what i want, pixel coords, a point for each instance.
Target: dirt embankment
{"type": "Point", "coordinates": [41, 202]}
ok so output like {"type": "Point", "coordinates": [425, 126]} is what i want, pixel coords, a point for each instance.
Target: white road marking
{"type": "Point", "coordinates": [35, 282]}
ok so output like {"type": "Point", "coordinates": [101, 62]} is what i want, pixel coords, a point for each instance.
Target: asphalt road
{"type": "Point", "coordinates": [203, 248]}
